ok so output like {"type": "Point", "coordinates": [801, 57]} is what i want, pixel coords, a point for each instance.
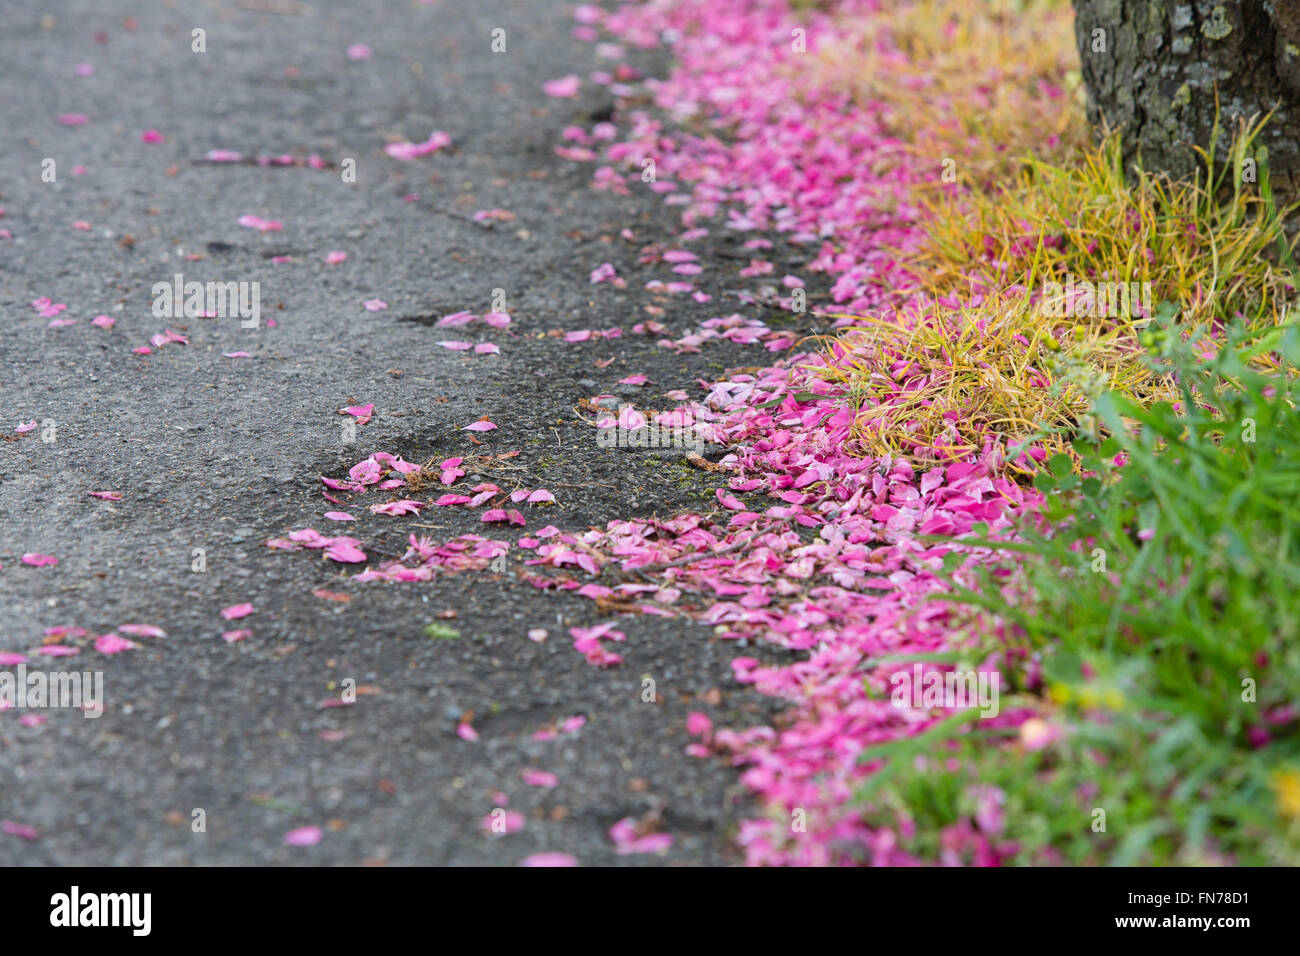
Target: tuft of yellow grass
{"type": "Point", "coordinates": [978, 82]}
{"type": "Point", "coordinates": [938, 382]}
{"type": "Point", "coordinates": [1215, 248]}
{"type": "Point", "coordinates": [996, 355]}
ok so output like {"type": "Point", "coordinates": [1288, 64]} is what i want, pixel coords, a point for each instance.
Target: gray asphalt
{"type": "Point", "coordinates": [220, 454]}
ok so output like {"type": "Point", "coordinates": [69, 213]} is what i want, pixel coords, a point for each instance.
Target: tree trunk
{"type": "Point", "coordinates": [1152, 67]}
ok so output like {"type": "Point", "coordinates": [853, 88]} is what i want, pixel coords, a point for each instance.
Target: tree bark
{"type": "Point", "coordinates": [1152, 68]}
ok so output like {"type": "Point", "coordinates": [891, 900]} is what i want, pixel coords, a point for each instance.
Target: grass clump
{"type": "Point", "coordinates": [1037, 297]}
{"type": "Point", "coordinates": [978, 83]}
{"type": "Point", "coordinates": [1154, 628]}
{"type": "Point", "coordinates": [1211, 245]}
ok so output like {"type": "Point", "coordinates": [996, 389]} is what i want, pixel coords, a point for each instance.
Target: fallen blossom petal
{"type": "Point", "coordinates": [113, 644]}
{"type": "Point", "coordinates": [304, 836]}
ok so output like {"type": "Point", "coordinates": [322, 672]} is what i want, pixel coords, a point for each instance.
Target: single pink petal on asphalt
{"type": "Point", "coordinates": [549, 859]}
{"type": "Point", "coordinates": [39, 560]}
{"type": "Point", "coordinates": [25, 427]}
{"type": "Point", "coordinates": [18, 829]}
{"type": "Point", "coordinates": [539, 778]}
{"type": "Point", "coordinates": [57, 650]}
{"type": "Point", "coordinates": [103, 322]}
{"type": "Point", "coordinates": [404, 507]}
{"type": "Point", "coordinates": [345, 553]}
{"type": "Point", "coordinates": [65, 630]}
{"type": "Point", "coordinates": [304, 836]}
{"type": "Point", "coordinates": [334, 258]}
{"type": "Point", "coordinates": [626, 841]}
{"type": "Point", "coordinates": [107, 495]}
{"type": "Point", "coordinates": [503, 821]}
{"type": "Point", "coordinates": [362, 413]}
{"type": "Point", "coordinates": [236, 611]}
{"type": "Point", "coordinates": [406, 152]}
{"type": "Point", "coordinates": [466, 732]}
{"type": "Point", "coordinates": [242, 634]}
{"type": "Point", "coordinates": [374, 305]}
{"type": "Point", "coordinates": [358, 51]}
{"type": "Point", "coordinates": [112, 644]}
{"type": "Point", "coordinates": [565, 87]}
{"type": "Point", "coordinates": [537, 635]}
{"type": "Point", "coordinates": [445, 501]}
{"type": "Point", "coordinates": [236, 355]}
{"type": "Point", "coordinates": [152, 136]}
{"type": "Point", "coordinates": [456, 345]}
{"type": "Point", "coordinates": [480, 427]}
{"type": "Point", "coordinates": [634, 380]}
{"type": "Point", "coordinates": [9, 658]}
{"type": "Point", "coordinates": [487, 348]}
{"type": "Point", "coordinates": [339, 516]}
{"type": "Point", "coordinates": [143, 630]}
{"type": "Point", "coordinates": [698, 724]}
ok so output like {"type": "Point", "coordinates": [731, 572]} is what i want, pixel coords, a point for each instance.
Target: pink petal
{"type": "Point", "coordinates": [566, 87]}
{"type": "Point", "coordinates": [549, 859]}
{"type": "Point", "coordinates": [19, 830]}
{"type": "Point", "coordinates": [112, 644]}
{"type": "Point", "coordinates": [143, 630]}
{"type": "Point", "coordinates": [539, 778]}
{"type": "Point", "coordinates": [345, 553]}
{"type": "Point", "coordinates": [304, 836]}
{"type": "Point", "coordinates": [236, 611]}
